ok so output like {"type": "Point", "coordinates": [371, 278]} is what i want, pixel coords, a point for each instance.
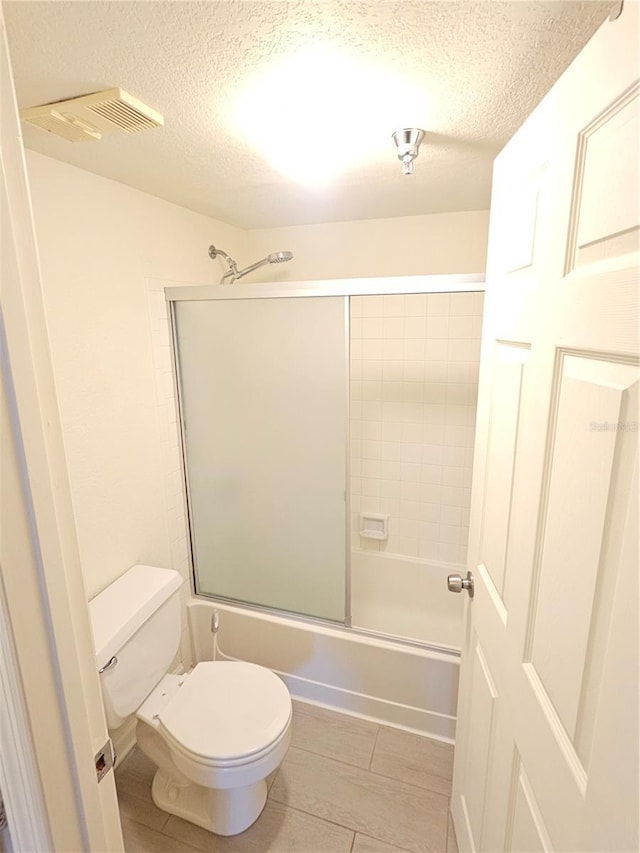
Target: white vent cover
{"type": "Point", "coordinates": [89, 117]}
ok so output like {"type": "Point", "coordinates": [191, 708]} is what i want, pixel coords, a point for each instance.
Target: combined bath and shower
{"type": "Point", "coordinates": [233, 273]}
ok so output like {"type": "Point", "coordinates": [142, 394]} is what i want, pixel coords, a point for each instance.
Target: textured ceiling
{"type": "Point", "coordinates": [481, 66]}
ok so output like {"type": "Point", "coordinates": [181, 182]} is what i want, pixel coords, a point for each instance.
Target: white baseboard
{"type": "Point", "coordinates": [416, 720]}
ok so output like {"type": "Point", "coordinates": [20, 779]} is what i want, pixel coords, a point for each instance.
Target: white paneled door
{"type": "Point", "coordinates": [547, 746]}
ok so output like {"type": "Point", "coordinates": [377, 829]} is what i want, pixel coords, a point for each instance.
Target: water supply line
{"type": "Point", "coordinates": [215, 626]}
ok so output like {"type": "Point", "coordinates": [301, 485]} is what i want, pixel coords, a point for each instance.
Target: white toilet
{"type": "Point", "coordinates": [215, 733]}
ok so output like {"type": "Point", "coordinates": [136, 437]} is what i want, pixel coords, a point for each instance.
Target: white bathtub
{"type": "Point", "coordinates": [390, 682]}
{"type": "Point", "coordinates": [406, 597]}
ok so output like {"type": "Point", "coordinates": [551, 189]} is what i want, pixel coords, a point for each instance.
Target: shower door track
{"type": "Point", "coordinates": [383, 286]}
{"type": "Point", "coordinates": [328, 623]}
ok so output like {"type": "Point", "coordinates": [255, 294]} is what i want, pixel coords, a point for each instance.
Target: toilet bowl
{"type": "Point", "coordinates": [215, 733]}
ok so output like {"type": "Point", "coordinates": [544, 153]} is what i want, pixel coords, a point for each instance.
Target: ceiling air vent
{"type": "Point", "coordinates": [91, 116]}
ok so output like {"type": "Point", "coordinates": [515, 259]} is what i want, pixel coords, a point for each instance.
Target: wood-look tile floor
{"type": "Point", "coordinates": [346, 786]}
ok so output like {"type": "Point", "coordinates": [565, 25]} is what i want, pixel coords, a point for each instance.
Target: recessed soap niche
{"type": "Point", "coordinates": [374, 525]}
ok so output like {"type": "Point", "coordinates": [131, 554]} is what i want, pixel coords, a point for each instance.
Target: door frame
{"type": "Point", "coordinates": [48, 625]}
{"type": "Point", "coordinates": [19, 783]}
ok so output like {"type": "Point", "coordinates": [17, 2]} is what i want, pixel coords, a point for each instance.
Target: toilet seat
{"type": "Point", "coordinates": [226, 713]}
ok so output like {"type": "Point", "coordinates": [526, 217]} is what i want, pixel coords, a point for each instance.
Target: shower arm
{"type": "Point", "coordinates": [232, 273]}
{"type": "Point", "coordinates": [246, 270]}
{"type": "Point", "coordinates": [230, 276]}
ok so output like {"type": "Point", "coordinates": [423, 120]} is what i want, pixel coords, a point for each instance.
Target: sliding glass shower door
{"type": "Point", "coordinates": [263, 391]}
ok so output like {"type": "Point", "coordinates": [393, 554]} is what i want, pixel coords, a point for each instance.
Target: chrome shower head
{"type": "Point", "coordinates": [279, 257]}
{"type": "Point", "coordinates": [233, 273]}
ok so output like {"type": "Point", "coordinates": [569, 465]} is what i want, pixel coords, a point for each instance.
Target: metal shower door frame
{"type": "Point", "coordinates": [345, 288]}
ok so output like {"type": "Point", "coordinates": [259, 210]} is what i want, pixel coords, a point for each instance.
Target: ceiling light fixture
{"type": "Point", "coordinates": [408, 142]}
{"type": "Point", "coordinates": [322, 112]}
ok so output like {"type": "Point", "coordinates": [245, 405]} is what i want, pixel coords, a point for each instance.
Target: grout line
{"type": "Point", "coordinates": [353, 767]}
{"type": "Point", "coordinates": [273, 781]}
{"type": "Point", "coordinates": [329, 758]}
{"type": "Point", "coordinates": [411, 784]}
{"type": "Point", "coordinates": [396, 779]}
{"type": "Point", "coordinates": [373, 751]}
{"type": "Point", "coordinates": [395, 847]}
{"type": "Point", "coordinates": [341, 826]}
{"type": "Point", "coordinates": [181, 840]}
{"type": "Point", "coordinates": [148, 829]}
{"type": "Point", "coordinates": [133, 775]}
{"type": "Point", "coordinates": [132, 797]}
{"type": "Point", "coordinates": [414, 784]}
{"type": "Point", "coordinates": [319, 817]}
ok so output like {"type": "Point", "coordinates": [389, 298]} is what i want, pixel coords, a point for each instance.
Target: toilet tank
{"type": "Point", "coordinates": [137, 620]}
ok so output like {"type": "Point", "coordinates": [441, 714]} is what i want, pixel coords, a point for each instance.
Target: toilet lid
{"type": "Point", "coordinates": [227, 709]}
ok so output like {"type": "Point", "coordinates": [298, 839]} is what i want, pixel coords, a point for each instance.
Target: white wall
{"type": "Point", "coordinates": [99, 241]}
{"type": "Point", "coordinates": [106, 250]}
{"type": "Point", "coordinates": [409, 245]}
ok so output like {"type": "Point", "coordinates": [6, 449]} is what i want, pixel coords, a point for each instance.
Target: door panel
{"type": "Point", "coordinates": [501, 451]}
{"type": "Point", "coordinates": [590, 396]}
{"type": "Point", "coordinates": [554, 524]}
{"type": "Point", "coordinates": [528, 831]}
{"type": "Point", "coordinates": [611, 810]}
{"type": "Point", "coordinates": [519, 245]}
{"type": "Point", "coordinates": [605, 204]}
{"type": "Point", "coordinates": [484, 701]}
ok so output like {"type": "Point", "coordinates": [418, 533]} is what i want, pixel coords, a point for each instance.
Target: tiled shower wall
{"type": "Point", "coordinates": [414, 384]}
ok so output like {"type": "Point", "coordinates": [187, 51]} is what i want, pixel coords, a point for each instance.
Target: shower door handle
{"type": "Point", "coordinates": [456, 583]}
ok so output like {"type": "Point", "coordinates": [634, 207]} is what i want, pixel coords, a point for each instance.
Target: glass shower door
{"type": "Point", "coordinates": [263, 390]}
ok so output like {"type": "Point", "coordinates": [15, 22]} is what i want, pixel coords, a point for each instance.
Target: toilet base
{"type": "Point", "coordinates": [221, 811]}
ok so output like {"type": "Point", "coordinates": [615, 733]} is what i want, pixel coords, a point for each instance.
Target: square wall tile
{"type": "Point", "coordinates": [438, 304]}
{"type": "Point", "coordinates": [393, 349]}
{"type": "Point", "coordinates": [371, 349]}
{"type": "Point", "coordinates": [394, 305]}
{"type": "Point", "coordinates": [372, 306]}
{"type": "Point", "coordinates": [372, 327]}
{"type": "Point", "coordinates": [393, 327]}
{"type": "Point", "coordinates": [415, 305]}
{"type": "Point", "coordinates": [372, 369]}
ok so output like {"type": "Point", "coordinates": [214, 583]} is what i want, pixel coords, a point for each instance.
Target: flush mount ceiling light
{"type": "Point", "coordinates": [408, 142]}
{"type": "Point", "coordinates": [321, 112]}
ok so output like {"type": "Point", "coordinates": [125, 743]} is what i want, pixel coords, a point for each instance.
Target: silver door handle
{"type": "Point", "coordinates": [456, 583]}
{"type": "Point", "coordinates": [108, 665]}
